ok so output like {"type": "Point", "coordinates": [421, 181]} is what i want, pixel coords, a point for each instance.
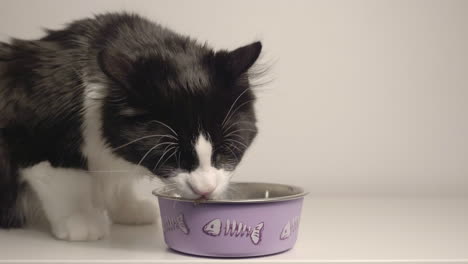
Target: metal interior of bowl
{"type": "Point", "coordinates": [245, 192]}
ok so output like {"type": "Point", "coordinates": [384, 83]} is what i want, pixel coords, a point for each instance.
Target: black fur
{"type": "Point", "coordinates": [153, 78]}
{"type": "Point", "coordinates": [9, 188]}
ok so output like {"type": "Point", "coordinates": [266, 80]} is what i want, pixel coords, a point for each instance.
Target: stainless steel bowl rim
{"type": "Point", "coordinates": [300, 192]}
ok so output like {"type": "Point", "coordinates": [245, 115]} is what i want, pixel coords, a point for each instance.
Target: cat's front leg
{"type": "Point", "coordinates": [124, 204]}
{"type": "Point", "coordinates": [68, 202]}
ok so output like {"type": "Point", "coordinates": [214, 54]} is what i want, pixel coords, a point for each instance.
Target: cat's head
{"type": "Point", "coordinates": [184, 112]}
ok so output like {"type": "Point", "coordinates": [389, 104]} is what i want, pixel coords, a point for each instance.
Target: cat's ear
{"type": "Point", "coordinates": [116, 65]}
{"type": "Point", "coordinates": [240, 60]}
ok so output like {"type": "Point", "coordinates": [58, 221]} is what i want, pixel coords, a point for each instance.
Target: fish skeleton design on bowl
{"type": "Point", "coordinates": [289, 228]}
{"type": "Point", "coordinates": [176, 223]}
{"type": "Point", "coordinates": [234, 229]}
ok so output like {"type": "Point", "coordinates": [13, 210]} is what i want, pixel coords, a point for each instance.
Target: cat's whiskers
{"type": "Point", "coordinates": [231, 175]}
{"type": "Point", "coordinates": [153, 148]}
{"type": "Point", "coordinates": [236, 141]}
{"type": "Point", "coordinates": [232, 106]}
{"type": "Point", "coordinates": [178, 159]}
{"type": "Point", "coordinates": [167, 184]}
{"type": "Point", "coordinates": [238, 130]}
{"type": "Point", "coordinates": [145, 137]}
{"type": "Point", "coordinates": [130, 172]}
{"type": "Point", "coordinates": [230, 149]}
{"type": "Point", "coordinates": [231, 162]}
{"type": "Point", "coordinates": [237, 109]}
{"type": "Point", "coordinates": [166, 150]}
{"type": "Point", "coordinates": [164, 124]}
{"type": "Point", "coordinates": [162, 188]}
{"type": "Point", "coordinates": [109, 171]}
{"type": "Point", "coordinates": [170, 190]}
{"type": "Point", "coordinates": [231, 188]}
{"type": "Point", "coordinates": [236, 123]}
{"type": "Point", "coordinates": [232, 145]}
{"type": "Point", "coordinates": [235, 135]}
{"type": "Point", "coordinates": [170, 156]}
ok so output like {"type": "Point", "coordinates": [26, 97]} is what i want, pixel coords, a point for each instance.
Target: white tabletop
{"type": "Point", "coordinates": [333, 230]}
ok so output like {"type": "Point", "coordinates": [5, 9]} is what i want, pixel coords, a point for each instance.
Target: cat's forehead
{"type": "Point", "coordinates": [191, 72]}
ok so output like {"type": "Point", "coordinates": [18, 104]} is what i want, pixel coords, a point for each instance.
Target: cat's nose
{"type": "Point", "coordinates": [203, 182]}
{"type": "Point", "coordinates": [204, 190]}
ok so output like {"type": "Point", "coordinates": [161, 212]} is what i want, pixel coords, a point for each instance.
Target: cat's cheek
{"type": "Point", "coordinates": [180, 181]}
{"type": "Point", "coordinates": [223, 180]}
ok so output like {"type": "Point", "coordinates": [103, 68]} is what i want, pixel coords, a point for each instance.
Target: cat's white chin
{"type": "Point", "coordinates": [193, 185]}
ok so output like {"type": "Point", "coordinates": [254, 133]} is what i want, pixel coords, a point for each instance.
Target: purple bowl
{"type": "Point", "coordinates": [256, 219]}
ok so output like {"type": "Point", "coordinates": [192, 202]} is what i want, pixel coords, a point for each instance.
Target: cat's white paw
{"type": "Point", "coordinates": [89, 226]}
{"type": "Point", "coordinates": [137, 212]}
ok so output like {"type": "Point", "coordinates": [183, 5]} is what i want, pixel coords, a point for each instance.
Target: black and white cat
{"type": "Point", "coordinates": [87, 110]}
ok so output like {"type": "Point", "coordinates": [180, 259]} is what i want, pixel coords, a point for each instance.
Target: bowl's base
{"type": "Point", "coordinates": [225, 255]}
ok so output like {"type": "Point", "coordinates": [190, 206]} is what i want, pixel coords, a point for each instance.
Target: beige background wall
{"type": "Point", "coordinates": [367, 97]}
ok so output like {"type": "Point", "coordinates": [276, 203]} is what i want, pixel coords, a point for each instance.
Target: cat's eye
{"type": "Point", "coordinates": [132, 112]}
{"type": "Point", "coordinates": [224, 155]}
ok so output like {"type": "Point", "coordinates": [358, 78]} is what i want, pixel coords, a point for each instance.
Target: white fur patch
{"type": "Point", "coordinates": [204, 150]}
{"type": "Point", "coordinates": [203, 180]}
{"type": "Point", "coordinates": [100, 157]}
{"type": "Point", "coordinates": [116, 177]}
{"type": "Point", "coordinates": [66, 196]}
{"type": "Point", "coordinates": [101, 161]}
{"type": "Point", "coordinates": [206, 180]}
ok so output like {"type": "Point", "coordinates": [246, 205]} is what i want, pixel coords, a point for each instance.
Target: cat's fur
{"type": "Point", "coordinates": [87, 110]}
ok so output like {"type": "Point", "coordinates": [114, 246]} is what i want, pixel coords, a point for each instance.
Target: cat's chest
{"type": "Point", "coordinates": [101, 161]}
